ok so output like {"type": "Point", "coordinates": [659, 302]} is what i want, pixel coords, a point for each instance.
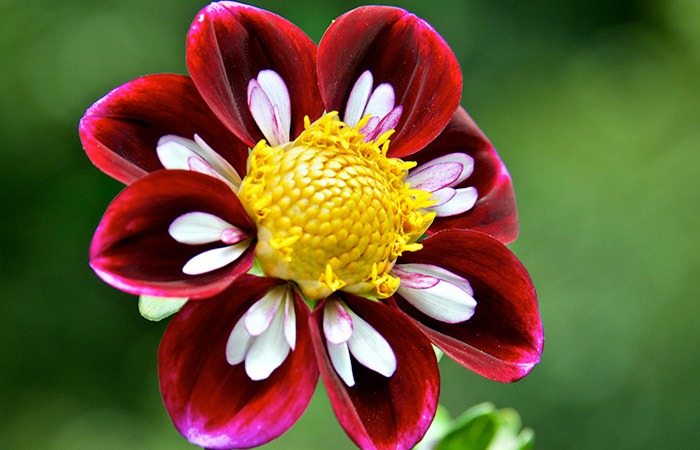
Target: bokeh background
{"type": "Point", "coordinates": [594, 107]}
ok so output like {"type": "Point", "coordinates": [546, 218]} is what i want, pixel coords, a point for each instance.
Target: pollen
{"type": "Point", "coordinates": [332, 211]}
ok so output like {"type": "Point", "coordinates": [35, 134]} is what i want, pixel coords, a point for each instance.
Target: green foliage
{"type": "Point", "coordinates": [483, 427]}
{"type": "Point", "coordinates": [158, 308]}
{"type": "Point", "coordinates": [256, 269]}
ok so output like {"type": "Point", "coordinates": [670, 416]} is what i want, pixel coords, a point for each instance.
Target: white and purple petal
{"type": "Point", "coordinates": [216, 258]}
{"type": "Point", "coordinates": [442, 196]}
{"type": "Point", "coordinates": [268, 351]}
{"type": "Point", "coordinates": [387, 123]}
{"type": "Point", "coordinates": [133, 251]}
{"type": "Point", "coordinates": [434, 177]}
{"type": "Point", "coordinates": [276, 90]}
{"type": "Point", "coordinates": [465, 162]}
{"type": "Point", "coordinates": [439, 176]}
{"type": "Point", "coordinates": [290, 328]}
{"type": "Point", "coordinates": [267, 115]}
{"type": "Point", "coordinates": [339, 355]}
{"type": "Point", "coordinates": [494, 212]}
{"type": "Point", "coordinates": [120, 132]}
{"type": "Point", "coordinates": [400, 49]}
{"type": "Point", "coordinates": [238, 343]}
{"type": "Point", "coordinates": [215, 404]}
{"type": "Point", "coordinates": [177, 152]}
{"type": "Point", "coordinates": [357, 100]}
{"type": "Point", "coordinates": [370, 348]}
{"type": "Point", "coordinates": [260, 315]}
{"type": "Point", "coordinates": [265, 334]}
{"type": "Point", "coordinates": [503, 340]}
{"type": "Point", "coordinates": [248, 40]}
{"type": "Point", "coordinates": [380, 412]}
{"type": "Point", "coordinates": [436, 292]}
{"type": "Point", "coordinates": [198, 228]}
{"type": "Point", "coordinates": [459, 201]}
{"type": "Point", "coordinates": [337, 323]}
{"type": "Point", "coordinates": [381, 102]}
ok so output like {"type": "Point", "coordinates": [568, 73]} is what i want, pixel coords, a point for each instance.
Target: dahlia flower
{"type": "Point", "coordinates": [323, 210]}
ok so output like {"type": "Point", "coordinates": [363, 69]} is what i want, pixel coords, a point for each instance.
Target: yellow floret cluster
{"type": "Point", "coordinates": [332, 211]}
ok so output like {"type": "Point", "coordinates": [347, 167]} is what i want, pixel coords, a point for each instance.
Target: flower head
{"type": "Point", "coordinates": [332, 211]}
{"type": "Point", "coordinates": [373, 208]}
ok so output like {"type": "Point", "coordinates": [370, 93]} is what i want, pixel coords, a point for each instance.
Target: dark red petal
{"type": "Point", "coordinates": [229, 43]}
{"type": "Point", "coordinates": [378, 412]}
{"type": "Point", "coordinates": [495, 212]}
{"type": "Point", "coordinates": [132, 250]}
{"type": "Point", "coordinates": [503, 340]}
{"type": "Point", "coordinates": [216, 405]}
{"type": "Point", "coordinates": [398, 48]}
{"type": "Point", "coordinates": [120, 131]}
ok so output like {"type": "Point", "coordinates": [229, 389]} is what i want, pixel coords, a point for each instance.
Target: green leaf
{"type": "Point", "coordinates": [527, 439]}
{"type": "Point", "coordinates": [158, 308]}
{"type": "Point", "coordinates": [256, 269]}
{"type": "Point", "coordinates": [438, 353]}
{"type": "Point", "coordinates": [483, 427]}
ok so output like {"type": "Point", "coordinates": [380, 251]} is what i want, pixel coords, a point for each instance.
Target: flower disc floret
{"type": "Point", "coordinates": [332, 211]}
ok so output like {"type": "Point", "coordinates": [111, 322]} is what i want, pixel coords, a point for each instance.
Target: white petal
{"type": "Point", "coordinates": [217, 161]}
{"type": "Point", "coordinates": [435, 176]}
{"type": "Point", "coordinates": [370, 348]}
{"type": "Point", "coordinates": [269, 350]}
{"type": "Point", "coordinates": [290, 321]}
{"type": "Point", "coordinates": [358, 99]}
{"type": "Point", "coordinates": [438, 272]}
{"type": "Point", "coordinates": [413, 279]}
{"type": "Point", "coordinates": [442, 196]}
{"type": "Point", "coordinates": [276, 90]}
{"type": "Point", "coordinates": [215, 258]}
{"type": "Point", "coordinates": [259, 316]}
{"type": "Point", "coordinates": [239, 341]}
{"type": "Point", "coordinates": [173, 151]}
{"type": "Point", "coordinates": [463, 201]}
{"type": "Point", "coordinates": [444, 302]}
{"type": "Point", "coordinates": [281, 136]}
{"type": "Point", "coordinates": [198, 164]}
{"type": "Point", "coordinates": [340, 359]}
{"type": "Point", "coordinates": [462, 158]}
{"type": "Point", "coordinates": [234, 235]}
{"type": "Point", "coordinates": [450, 300]}
{"type": "Point", "coordinates": [263, 112]}
{"type": "Point", "coordinates": [381, 101]}
{"type": "Point", "coordinates": [176, 152]}
{"type": "Point", "coordinates": [389, 122]}
{"type": "Point", "coordinates": [369, 127]}
{"type": "Point", "coordinates": [337, 324]}
{"type": "Point", "coordinates": [198, 228]}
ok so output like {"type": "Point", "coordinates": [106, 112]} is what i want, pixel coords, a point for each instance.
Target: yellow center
{"type": "Point", "coordinates": [333, 212]}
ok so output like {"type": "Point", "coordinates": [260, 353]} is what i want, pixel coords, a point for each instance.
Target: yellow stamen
{"type": "Point", "coordinates": [332, 211]}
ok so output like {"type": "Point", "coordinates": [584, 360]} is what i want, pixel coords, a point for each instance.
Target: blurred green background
{"type": "Point", "coordinates": [594, 107]}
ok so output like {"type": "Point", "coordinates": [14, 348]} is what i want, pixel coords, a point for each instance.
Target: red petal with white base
{"type": "Point", "coordinates": [133, 251]}
{"type": "Point", "coordinates": [216, 405]}
{"type": "Point", "coordinates": [403, 50]}
{"type": "Point", "coordinates": [503, 339]}
{"type": "Point", "coordinates": [120, 131]}
{"type": "Point", "coordinates": [495, 212]}
{"type": "Point", "coordinates": [230, 43]}
{"type": "Point", "coordinates": [378, 412]}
